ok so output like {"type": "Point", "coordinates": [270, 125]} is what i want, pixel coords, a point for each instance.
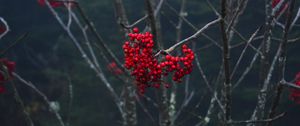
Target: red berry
{"type": "Point", "coordinates": [184, 46]}
{"type": "Point", "coordinates": [135, 30]}
{"type": "Point", "coordinates": [168, 57]}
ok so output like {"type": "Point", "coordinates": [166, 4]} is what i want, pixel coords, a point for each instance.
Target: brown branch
{"type": "Point", "coordinates": [130, 118]}
{"type": "Point", "coordinates": [154, 23]}
{"type": "Point", "coordinates": [264, 71]}
{"type": "Point", "coordinates": [121, 14]}
{"type": "Point", "coordinates": [226, 58]}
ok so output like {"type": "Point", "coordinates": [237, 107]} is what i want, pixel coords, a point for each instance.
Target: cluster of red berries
{"type": "Point", "coordinates": [295, 93]}
{"type": "Point", "coordinates": [148, 71]}
{"type": "Point", "coordinates": [6, 69]}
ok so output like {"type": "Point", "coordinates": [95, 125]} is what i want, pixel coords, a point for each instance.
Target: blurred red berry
{"type": "Point", "coordinates": [281, 9]}
{"type": "Point", "coordinates": [2, 29]}
{"type": "Point", "coordinates": [8, 65]}
{"type": "Point", "coordinates": [112, 67]}
{"type": "Point", "coordinates": [135, 30]}
{"type": "Point", "coordinates": [275, 2]}
{"type": "Point", "coordinates": [2, 89]}
{"type": "Point", "coordinates": [295, 93]}
{"type": "Point", "coordinates": [7, 68]}
{"type": "Point", "coordinates": [56, 3]}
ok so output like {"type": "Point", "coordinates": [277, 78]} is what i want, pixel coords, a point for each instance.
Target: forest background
{"type": "Point", "coordinates": [51, 62]}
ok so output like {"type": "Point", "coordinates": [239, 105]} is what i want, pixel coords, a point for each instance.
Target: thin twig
{"type": "Point", "coordinates": [294, 40]}
{"type": "Point", "coordinates": [183, 15]}
{"type": "Point", "coordinates": [244, 50]}
{"type": "Point", "coordinates": [98, 37]}
{"type": "Point", "coordinates": [98, 71]}
{"type": "Point", "coordinates": [194, 36]}
{"type": "Point", "coordinates": [295, 19]}
{"type": "Point", "coordinates": [135, 23]}
{"type": "Point", "coordinates": [158, 8]}
{"type": "Point", "coordinates": [19, 39]}
{"type": "Point", "coordinates": [45, 98]}
{"type": "Point", "coordinates": [7, 29]}
{"type": "Point", "coordinates": [203, 75]}
{"type": "Point", "coordinates": [71, 97]}
{"type": "Point", "coordinates": [19, 100]}
{"type": "Point", "coordinates": [247, 70]}
{"type": "Point", "coordinates": [259, 121]}
{"type": "Point", "coordinates": [290, 85]}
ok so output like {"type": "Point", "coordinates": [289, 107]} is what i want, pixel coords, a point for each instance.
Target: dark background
{"type": "Point", "coordinates": [49, 60]}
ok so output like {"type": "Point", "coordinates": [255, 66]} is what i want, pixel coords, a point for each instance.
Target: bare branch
{"type": "Point", "coordinates": [290, 85]}
{"type": "Point", "coordinates": [259, 121]}
{"type": "Point", "coordinates": [135, 23]}
{"type": "Point", "coordinates": [158, 8]}
{"type": "Point", "coordinates": [19, 39]}
{"type": "Point", "coordinates": [45, 98]}
{"type": "Point", "coordinates": [226, 57]}
{"type": "Point", "coordinates": [98, 70]}
{"type": "Point", "coordinates": [194, 36]}
{"type": "Point", "coordinates": [7, 29]}
{"type": "Point", "coordinates": [98, 37]}
{"type": "Point", "coordinates": [182, 16]}
{"type": "Point", "coordinates": [244, 50]}
{"type": "Point", "coordinates": [294, 40]}
{"type": "Point", "coordinates": [154, 23]}
{"type": "Point", "coordinates": [282, 59]}
{"type": "Point", "coordinates": [19, 100]}
{"type": "Point", "coordinates": [211, 90]}
{"type": "Point", "coordinates": [295, 19]}
{"type": "Point", "coordinates": [241, 78]}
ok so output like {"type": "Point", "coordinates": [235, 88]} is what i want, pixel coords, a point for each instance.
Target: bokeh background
{"type": "Point", "coordinates": [50, 61]}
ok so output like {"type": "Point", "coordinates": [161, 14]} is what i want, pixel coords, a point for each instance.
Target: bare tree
{"type": "Point", "coordinates": [230, 75]}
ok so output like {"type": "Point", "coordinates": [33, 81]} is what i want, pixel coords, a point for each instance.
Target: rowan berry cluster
{"type": "Point", "coordinates": [147, 69]}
